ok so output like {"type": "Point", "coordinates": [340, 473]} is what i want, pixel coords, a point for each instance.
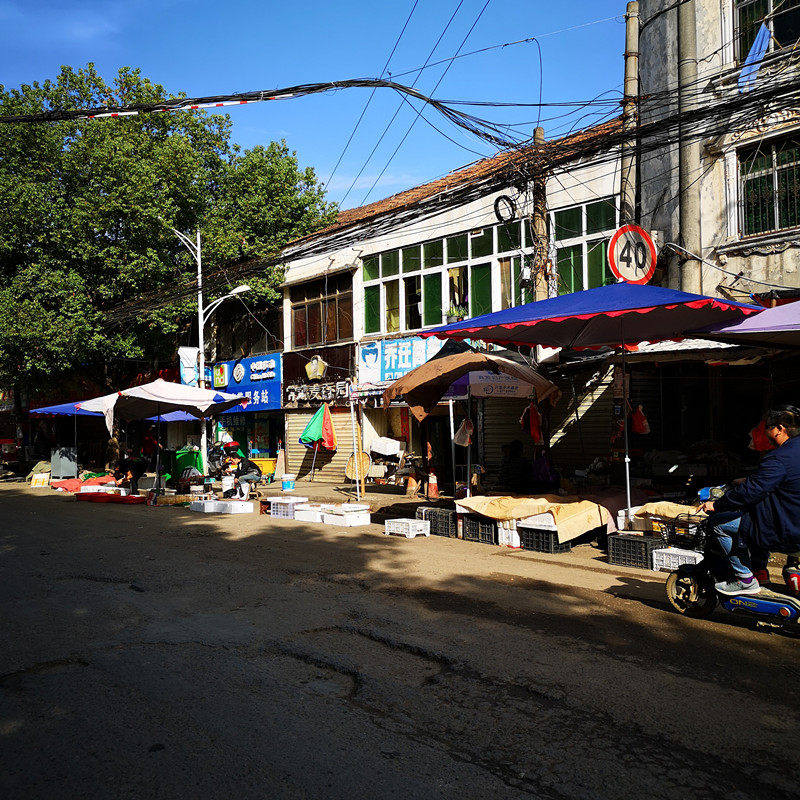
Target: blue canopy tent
{"type": "Point", "coordinates": [618, 315]}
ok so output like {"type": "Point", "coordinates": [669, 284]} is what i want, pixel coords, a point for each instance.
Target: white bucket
{"type": "Point", "coordinates": [287, 482]}
{"type": "Point", "coordinates": [227, 482]}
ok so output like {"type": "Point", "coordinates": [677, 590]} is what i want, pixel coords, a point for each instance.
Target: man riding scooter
{"type": "Point", "coordinates": [762, 513]}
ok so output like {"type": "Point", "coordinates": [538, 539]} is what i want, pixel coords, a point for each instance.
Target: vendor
{"type": "Point", "coordinates": [129, 470]}
{"type": "Point", "coordinates": [245, 472]}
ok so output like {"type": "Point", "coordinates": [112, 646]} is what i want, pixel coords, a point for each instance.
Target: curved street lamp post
{"type": "Point", "coordinates": [203, 316]}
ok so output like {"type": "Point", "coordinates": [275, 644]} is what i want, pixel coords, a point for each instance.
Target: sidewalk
{"type": "Point", "coordinates": [586, 566]}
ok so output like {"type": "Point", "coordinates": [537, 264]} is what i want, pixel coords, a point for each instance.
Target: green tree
{"type": "Point", "coordinates": [91, 275]}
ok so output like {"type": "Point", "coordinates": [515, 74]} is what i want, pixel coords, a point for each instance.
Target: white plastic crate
{"type": "Point", "coordinates": [350, 520]}
{"type": "Point", "coordinates": [306, 512]}
{"type": "Point", "coordinates": [407, 527]}
{"type": "Point", "coordinates": [670, 558]}
{"type": "Point", "coordinates": [284, 506]}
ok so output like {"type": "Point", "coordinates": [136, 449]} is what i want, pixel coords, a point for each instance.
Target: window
{"type": "Point", "coordinates": [781, 16]}
{"type": "Point", "coordinates": [322, 311]}
{"type": "Point", "coordinates": [582, 234]}
{"type": "Point", "coordinates": [417, 285]}
{"type": "Point", "coordinates": [770, 186]}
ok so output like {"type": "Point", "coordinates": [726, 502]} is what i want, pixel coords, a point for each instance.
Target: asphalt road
{"type": "Point", "coordinates": [156, 653]}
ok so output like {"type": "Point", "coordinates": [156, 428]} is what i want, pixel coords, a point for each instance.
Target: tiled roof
{"type": "Point", "coordinates": [508, 161]}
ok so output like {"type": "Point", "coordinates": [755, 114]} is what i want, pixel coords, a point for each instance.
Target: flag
{"type": "Point", "coordinates": [747, 77]}
{"type": "Point", "coordinates": [320, 429]}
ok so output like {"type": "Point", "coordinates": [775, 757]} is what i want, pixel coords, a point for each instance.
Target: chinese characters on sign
{"type": "Point", "coordinates": [257, 378]}
{"type": "Point", "coordinates": [390, 359]}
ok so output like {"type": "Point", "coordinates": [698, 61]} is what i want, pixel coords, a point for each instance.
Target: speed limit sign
{"type": "Point", "coordinates": [632, 254]}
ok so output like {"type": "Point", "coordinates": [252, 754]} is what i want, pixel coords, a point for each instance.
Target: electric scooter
{"type": "Point", "coordinates": [690, 591]}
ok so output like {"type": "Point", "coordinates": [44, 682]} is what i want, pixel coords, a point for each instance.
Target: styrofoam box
{"type": "Point", "coordinates": [102, 487]}
{"type": "Point", "coordinates": [671, 558]}
{"type": "Point", "coordinates": [221, 506]}
{"type": "Point", "coordinates": [205, 506]}
{"type": "Point", "coordinates": [347, 520]}
{"type": "Point", "coordinates": [638, 524]}
{"type": "Point", "coordinates": [542, 522]}
{"type": "Point", "coordinates": [307, 512]}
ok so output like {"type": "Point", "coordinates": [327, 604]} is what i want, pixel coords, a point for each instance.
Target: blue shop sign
{"type": "Point", "coordinates": [258, 378]}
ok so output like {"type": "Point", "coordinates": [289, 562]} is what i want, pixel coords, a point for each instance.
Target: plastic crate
{"type": "Point", "coordinates": [443, 520]}
{"type": "Point", "coordinates": [283, 507]}
{"type": "Point", "coordinates": [629, 550]}
{"type": "Point", "coordinates": [407, 527]}
{"type": "Point", "coordinates": [476, 529]}
{"type": "Point", "coordinates": [686, 530]}
{"type": "Point", "coordinates": [542, 541]}
{"type": "Point", "coordinates": [670, 558]}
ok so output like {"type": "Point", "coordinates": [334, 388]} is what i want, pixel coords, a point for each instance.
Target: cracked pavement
{"type": "Point", "coordinates": [153, 652]}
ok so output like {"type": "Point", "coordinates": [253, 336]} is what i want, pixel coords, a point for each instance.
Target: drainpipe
{"type": "Point", "coordinates": [686, 275]}
{"type": "Point", "coordinates": [629, 117]}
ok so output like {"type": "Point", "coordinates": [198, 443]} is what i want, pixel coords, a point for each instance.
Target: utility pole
{"type": "Point", "coordinates": [687, 275]}
{"type": "Point", "coordinates": [540, 289]}
{"type": "Point", "coordinates": [630, 116]}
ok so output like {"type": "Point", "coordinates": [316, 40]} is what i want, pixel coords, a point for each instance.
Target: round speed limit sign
{"type": "Point", "coordinates": [632, 254]}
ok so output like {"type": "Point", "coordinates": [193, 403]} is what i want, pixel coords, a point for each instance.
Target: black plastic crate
{"type": "Point", "coordinates": [688, 531]}
{"type": "Point", "coordinates": [542, 541]}
{"type": "Point", "coordinates": [444, 523]}
{"type": "Point", "coordinates": [476, 529]}
{"type": "Point", "coordinates": [627, 550]}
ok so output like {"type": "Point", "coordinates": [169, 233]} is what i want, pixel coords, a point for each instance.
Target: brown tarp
{"type": "Point", "coordinates": [423, 387]}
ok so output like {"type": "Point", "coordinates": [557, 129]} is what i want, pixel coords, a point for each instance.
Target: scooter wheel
{"type": "Point", "coordinates": [691, 596]}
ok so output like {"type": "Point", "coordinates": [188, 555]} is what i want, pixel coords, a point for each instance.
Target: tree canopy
{"type": "Point", "coordinates": [91, 273]}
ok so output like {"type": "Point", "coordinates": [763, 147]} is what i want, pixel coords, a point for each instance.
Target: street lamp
{"type": "Point", "coordinates": [203, 315]}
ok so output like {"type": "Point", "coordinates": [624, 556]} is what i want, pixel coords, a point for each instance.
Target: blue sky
{"type": "Point", "coordinates": [208, 48]}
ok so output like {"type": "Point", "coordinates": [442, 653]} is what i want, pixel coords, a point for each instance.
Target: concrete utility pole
{"type": "Point", "coordinates": [540, 224]}
{"type": "Point", "coordinates": [630, 116]}
{"type": "Point", "coordinates": [687, 275]}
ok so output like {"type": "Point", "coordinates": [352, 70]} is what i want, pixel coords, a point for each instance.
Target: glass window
{"type": "Point", "coordinates": [506, 283]}
{"type": "Point", "coordinates": [432, 254]}
{"type": "Point", "coordinates": [432, 299]}
{"type": "Point", "coordinates": [412, 288]}
{"type": "Point", "coordinates": [482, 242]}
{"type": "Point", "coordinates": [345, 317]}
{"type": "Point", "coordinates": [412, 259]}
{"type": "Point", "coordinates": [372, 309]}
{"type": "Point", "coordinates": [371, 268]}
{"type": "Point", "coordinates": [598, 271]}
{"type": "Point", "coordinates": [781, 16]}
{"type": "Point", "coordinates": [481, 289]}
{"type": "Point", "coordinates": [458, 290]}
{"type": "Point", "coordinates": [390, 263]}
{"type": "Point", "coordinates": [392, 289]}
{"type": "Point", "coordinates": [569, 263]}
{"type": "Point", "coordinates": [509, 236]}
{"type": "Point", "coordinates": [299, 321]}
{"type": "Point", "coordinates": [569, 223]}
{"type": "Point", "coordinates": [457, 249]}
{"type": "Point", "coordinates": [601, 216]}
{"type": "Point", "coordinates": [770, 186]}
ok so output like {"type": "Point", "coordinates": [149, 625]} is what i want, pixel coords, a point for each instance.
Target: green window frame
{"type": "Point", "coordinates": [372, 309]}
{"type": "Point", "coordinates": [480, 293]}
{"type": "Point", "coordinates": [432, 299]}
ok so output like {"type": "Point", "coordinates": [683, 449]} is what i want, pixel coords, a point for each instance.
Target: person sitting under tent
{"type": "Point", "coordinates": [129, 470]}
{"type": "Point", "coordinates": [245, 472]}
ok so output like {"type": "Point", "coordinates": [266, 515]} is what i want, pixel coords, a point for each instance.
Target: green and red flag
{"type": "Point", "coordinates": [319, 432]}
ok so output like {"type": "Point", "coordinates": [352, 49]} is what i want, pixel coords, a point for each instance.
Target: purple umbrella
{"type": "Point", "coordinates": [773, 327]}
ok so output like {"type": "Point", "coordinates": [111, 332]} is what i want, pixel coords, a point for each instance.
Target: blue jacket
{"type": "Point", "coordinates": [771, 501]}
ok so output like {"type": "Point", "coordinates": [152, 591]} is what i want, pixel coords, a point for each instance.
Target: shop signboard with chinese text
{"type": "Point", "coordinates": [390, 359]}
{"type": "Point", "coordinates": [258, 378]}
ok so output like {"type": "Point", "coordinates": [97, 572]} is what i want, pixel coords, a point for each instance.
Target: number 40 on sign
{"type": "Point", "coordinates": [632, 254]}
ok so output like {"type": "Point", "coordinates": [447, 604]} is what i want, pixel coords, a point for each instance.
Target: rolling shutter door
{"type": "Point", "coordinates": [501, 426]}
{"type": "Point", "coordinates": [575, 444]}
{"type": "Point", "coordinates": [329, 467]}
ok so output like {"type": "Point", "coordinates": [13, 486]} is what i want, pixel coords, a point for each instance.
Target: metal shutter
{"type": "Point", "coordinates": [329, 467]}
